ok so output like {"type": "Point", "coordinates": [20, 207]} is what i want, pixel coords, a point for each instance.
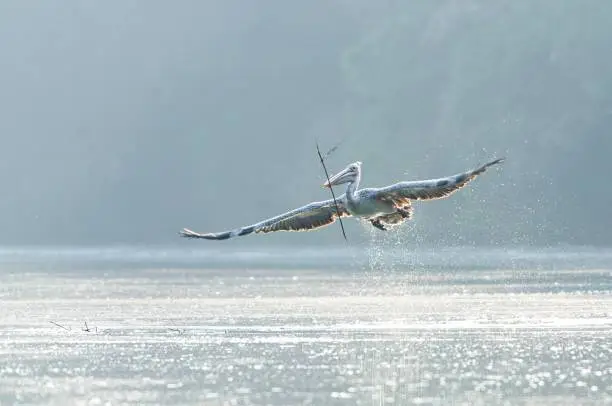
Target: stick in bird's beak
{"type": "Point", "coordinates": [330, 189]}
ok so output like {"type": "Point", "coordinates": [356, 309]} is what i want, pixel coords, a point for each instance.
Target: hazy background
{"type": "Point", "coordinates": [124, 121]}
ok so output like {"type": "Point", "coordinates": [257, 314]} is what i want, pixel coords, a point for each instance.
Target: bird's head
{"type": "Point", "coordinates": [348, 175]}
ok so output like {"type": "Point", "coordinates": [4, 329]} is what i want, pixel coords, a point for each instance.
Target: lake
{"type": "Point", "coordinates": [215, 325]}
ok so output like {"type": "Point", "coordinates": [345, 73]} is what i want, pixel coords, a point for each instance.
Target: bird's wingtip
{"type": "Point", "coordinates": [484, 167]}
{"type": "Point", "coordinates": [185, 232]}
{"type": "Point", "coordinates": [496, 161]}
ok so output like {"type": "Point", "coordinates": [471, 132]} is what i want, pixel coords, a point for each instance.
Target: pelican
{"type": "Point", "coordinates": [383, 207]}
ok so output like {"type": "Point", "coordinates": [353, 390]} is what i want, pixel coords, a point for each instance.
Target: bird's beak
{"type": "Point", "coordinates": [337, 179]}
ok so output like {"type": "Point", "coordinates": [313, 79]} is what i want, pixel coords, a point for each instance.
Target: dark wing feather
{"type": "Point", "coordinates": [403, 192]}
{"type": "Point", "coordinates": [306, 220]}
{"type": "Point", "coordinates": [309, 217]}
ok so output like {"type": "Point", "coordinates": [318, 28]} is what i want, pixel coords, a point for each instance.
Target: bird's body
{"type": "Point", "coordinates": [382, 207]}
{"type": "Point", "coordinates": [366, 205]}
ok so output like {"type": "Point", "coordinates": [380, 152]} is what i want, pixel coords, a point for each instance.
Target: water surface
{"type": "Point", "coordinates": [307, 327]}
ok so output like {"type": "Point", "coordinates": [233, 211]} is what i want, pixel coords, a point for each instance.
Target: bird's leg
{"type": "Point", "coordinates": [376, 223]}
{"type": "Point", "coordinates": [404, 213]}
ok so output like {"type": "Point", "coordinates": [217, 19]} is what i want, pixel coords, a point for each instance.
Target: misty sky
{"type": "Point", "coordinates": [124, 121]}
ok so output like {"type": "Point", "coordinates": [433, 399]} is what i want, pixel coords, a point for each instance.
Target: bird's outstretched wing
{"type": "Point", "coordinates": [312, 216]}
{"type": "Point", "coordinates": [402, 192]}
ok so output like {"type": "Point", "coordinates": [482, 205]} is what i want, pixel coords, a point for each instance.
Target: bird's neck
{"type": "Point", "coordinates": [351, 189]}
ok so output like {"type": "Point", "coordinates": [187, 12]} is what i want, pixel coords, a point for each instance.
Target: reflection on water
{"type": "Point", "coordinates": [486, 327]}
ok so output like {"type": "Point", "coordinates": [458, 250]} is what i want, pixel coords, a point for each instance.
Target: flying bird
{"type": "Point", "coordinates": [383, 207]}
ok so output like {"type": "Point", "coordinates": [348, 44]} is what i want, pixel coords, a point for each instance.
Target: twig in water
{"type": "Point", "coordinates": [176, 330]}
{"type": "Point", "coordinates": [59, 325]}
{"type": "Point", "coordinates": [86, 329]}
{"type": "Point", "coordinates": [330, 187]}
